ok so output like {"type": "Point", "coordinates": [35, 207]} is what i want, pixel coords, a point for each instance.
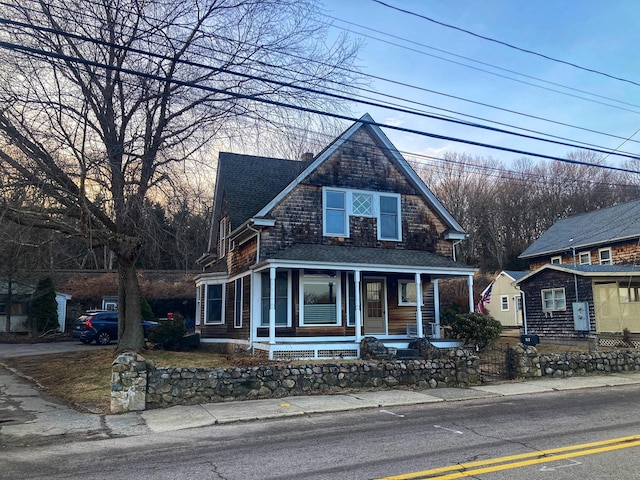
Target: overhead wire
{"type": "Point", "coordinates": [324, 93]}
{"type": "Point", "coordinates": [306, 60]}
{"type": "Point", "coordinates": [514, 47]}
{"type": "Point", "coordinates": [474, 60]}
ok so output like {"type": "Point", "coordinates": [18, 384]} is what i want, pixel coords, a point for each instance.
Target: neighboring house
{"type": "Point", "coordinates": [585, 277]}
{"type": "Point", "coordinates": [308, 257]}
{"type": "Point", "coordinates": [502, 299]}
{"type": "Point", "coordinates": [19, 306]}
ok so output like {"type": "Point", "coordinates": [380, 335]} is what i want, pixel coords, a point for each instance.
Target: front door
{"type": "Point", "coordinates": [375, 301]}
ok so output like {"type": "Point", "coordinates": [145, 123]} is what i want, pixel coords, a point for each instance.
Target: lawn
{"type": "Point", "coordinates": [84, 379]}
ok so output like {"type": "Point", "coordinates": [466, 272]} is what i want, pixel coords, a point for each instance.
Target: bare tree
{"type": "Point", "coordinates": [105, 101]}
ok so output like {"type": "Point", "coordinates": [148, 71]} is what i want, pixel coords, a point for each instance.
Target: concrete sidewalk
{"type": "Point", "coordinates": [26, 413]}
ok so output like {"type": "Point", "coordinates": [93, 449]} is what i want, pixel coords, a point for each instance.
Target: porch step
{"type": "Point", "coordinates": [407, 353]}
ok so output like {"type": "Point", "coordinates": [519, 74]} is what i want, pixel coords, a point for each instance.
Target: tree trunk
{"type": "Point", "coordinates": [130, 334]}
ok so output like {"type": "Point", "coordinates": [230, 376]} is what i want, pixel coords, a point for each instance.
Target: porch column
{"type": "Point", "coordinates": [356, 281]}
{"type": "Point", "coordinates": [419, 306]}
{"type": "Point", "coordinates": [436, 307]}
{"type": "Point", "coordinates": [272, 309]}
{"type": "Point", "coordinates": [470, 285]}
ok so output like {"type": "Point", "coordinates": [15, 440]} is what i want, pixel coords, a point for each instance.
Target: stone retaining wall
{"type": "Point", "coordinates": [169, 386]}
{"type": "Point", "coordinates": [528, 363]}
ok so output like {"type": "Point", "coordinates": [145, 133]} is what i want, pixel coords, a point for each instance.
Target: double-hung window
{"type": "Point", "coordinates": [585, 258]}
{"type": "Point", "coordinates": [407, 293]}
{"type": "Point", "coordinates": [504, 303]}
{"type": "Point", "coordinates": [553, 299]}
{"type": "Point", "coordinates": [389, 219]}
{"type": "Point", "coordinates": [335, 213]}
{"type": "Point", "coordinates": [237, 315]}
{"type": "Point", "coordinates": [605, 256]}
{"type": "Point", "coordinates": [320, 300]}
{"type": "Point", "coordinates": [282, 299]}
{"type": "Point", "coordinates": [214, 304]}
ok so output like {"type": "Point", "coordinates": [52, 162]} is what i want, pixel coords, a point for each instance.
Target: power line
{"type": "Point", "coordinates": [547, 57]}
{"type": "Point", "coordinates": [324, 93]}
{"type": "Point", "coordinates": [510, 78]}
{"type": "Point", "coordinates": [430, 47]}
{"type": "Point", "coordinates": [307, 60]}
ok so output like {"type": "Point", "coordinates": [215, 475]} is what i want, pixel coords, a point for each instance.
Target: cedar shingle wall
{"type": "Point", "coordinates": [621, 253]}
{"type": "Point", "coordinates": [560, 323]}
{"type": "Point", "coordinates": [360, 165]}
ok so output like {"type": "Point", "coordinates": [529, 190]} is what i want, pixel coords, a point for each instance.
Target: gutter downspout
{"type": "Point", "coordinates": [254, 328]}
{"type": "Point", "coordinates": [524, 312]}
{"type": "Point", "coordinates": [454, 248]}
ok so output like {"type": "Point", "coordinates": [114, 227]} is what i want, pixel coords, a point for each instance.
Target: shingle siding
{"type": "Point", "coordinates": [559, 324]}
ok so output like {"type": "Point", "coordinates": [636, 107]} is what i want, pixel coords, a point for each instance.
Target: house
{"type": "Point", "coordinates": [18, 302]}
{"type": "Point", "coordinates": [308, 257]}
{"type": "Point", "coordinates": [502, 299]}
{"type": "Point", "coordinates": [584, 281]}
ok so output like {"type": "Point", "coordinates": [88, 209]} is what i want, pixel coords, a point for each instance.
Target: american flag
{"type": "Point", "coordinates": [486, 298]}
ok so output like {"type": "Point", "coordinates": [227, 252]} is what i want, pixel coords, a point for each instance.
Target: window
{"type": "Point", "coordinates": [584, 258]}
{"type": "Point", "coordinates": [340, 204]}
{"type": "Point", "coordinates": [282, 299]}
{"type": "Point", "coordinates": [362, 204]}
{"type": "Point", "coordinates": [223, 238]}
{"type": "Point", "coordinates": [504, 303]}
{"type": "Point", "coordinates": [389, 220]}
{"type": "Point", "coordinates": [214, 304]}
{"type": "Point", "coordinates": [605, 256]}
{"type": "Point", "coordinates": [351, 300]}
{"type": "Point", "coordinates": [553, 299]}
{"type": "Point", "coordinates": [335, 213]}
{"type": "Point", "coordinates": [407, 294]}
{"type": "Point", "coordinates": [319, 300]}
{"type": "Point", "coordinates": [556, 260]}
{"type": "Point", "coordinates": [237, 314]}
{"type": "Point", "coordinates": [518, 303]}
{"type": "Point", "coordinates": [629, 292]}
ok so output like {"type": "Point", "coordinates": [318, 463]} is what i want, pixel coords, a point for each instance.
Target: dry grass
{"type": "Point", "coordinates": [84, 379]}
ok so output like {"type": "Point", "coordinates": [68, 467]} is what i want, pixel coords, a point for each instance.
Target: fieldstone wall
{"type": "Point", "coordinates": [129, 382]}
{"type": "Point", "coordinates": [529, 364]}
{"type": "Point", "coordinates": [184, 386]}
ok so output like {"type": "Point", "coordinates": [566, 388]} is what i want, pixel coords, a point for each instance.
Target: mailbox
{"type": "Point", "coordinates": [530, 340]}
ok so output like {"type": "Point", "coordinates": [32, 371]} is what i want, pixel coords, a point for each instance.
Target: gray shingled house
{"type": "Point", "coordinates": [306, 257]}
{"type": "Point", "coordinates": [584, 281]}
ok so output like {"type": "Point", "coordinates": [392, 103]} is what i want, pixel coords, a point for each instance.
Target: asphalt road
{"type": "Point", "coordinates": [377, 443]}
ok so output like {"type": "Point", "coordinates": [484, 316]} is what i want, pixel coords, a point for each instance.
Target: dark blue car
{"type": "Point", "coordinates": [102, 327]}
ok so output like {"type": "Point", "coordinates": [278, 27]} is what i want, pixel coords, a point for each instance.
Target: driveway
{"type": "Point", "coordinates": [13, 350]}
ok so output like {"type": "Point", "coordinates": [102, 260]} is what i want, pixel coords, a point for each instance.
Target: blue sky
{"type": "Point", "coordinates": [600, 35]}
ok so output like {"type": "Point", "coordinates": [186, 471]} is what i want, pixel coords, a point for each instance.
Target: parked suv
{"type": "Point", "coordinates": [102, 327]}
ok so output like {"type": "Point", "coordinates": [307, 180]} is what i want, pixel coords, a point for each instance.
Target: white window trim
{"type": "Point", "coordinates": [223, 237]}
{"type": "Point", "coordinates": [398, 220]}
{"type": "Point", "coordinates": [338, 295]}
{"type": "Point", "coordinates": [289, 293]}
{"type": "Point", "coordinates": [553, 290]}
{"type": "Point", "coordinates": [407, 304]}
{"type": "Point", "coordinates": [588, 254]}
{"type": "Point", "coordinates": [502, 303]}
{"type": "Point", "coordinates": [559, 260]}
{"type": "Point", "coordinates": [238, 281]}
{"type": "Point", "coordinates": [206, 304]}
{"type": "Point", "coordinates": [608, 261]}
{"type": "Point", "coordinates": [348, 193]}
{"type": "Point", "coordinates": [346, 212]}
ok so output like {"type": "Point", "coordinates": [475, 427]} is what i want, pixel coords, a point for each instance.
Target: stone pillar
{"type": "Point", "coordinates": [128, 383]}
{"type": "Point", "coordinates": [525, 361]}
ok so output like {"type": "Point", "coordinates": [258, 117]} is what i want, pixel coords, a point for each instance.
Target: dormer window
{"type": "Point", "coordinates": [340, 204]}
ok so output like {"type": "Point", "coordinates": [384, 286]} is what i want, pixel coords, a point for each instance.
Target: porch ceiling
{"type": "Point", "coordinates": [367, 258]}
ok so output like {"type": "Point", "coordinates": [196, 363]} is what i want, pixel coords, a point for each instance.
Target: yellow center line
{"type": "Point", "coordinates": [542, 456]}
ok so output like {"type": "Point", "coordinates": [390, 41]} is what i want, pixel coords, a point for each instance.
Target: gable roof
{"type": "Point", "coordinates": [366, 121]}
{"type": "Point", "coordinates": [231, 180]}
{"type": "Point", "coordinates": [600, 227]}
{"type": "Point", "coordinates": [624, 271]}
